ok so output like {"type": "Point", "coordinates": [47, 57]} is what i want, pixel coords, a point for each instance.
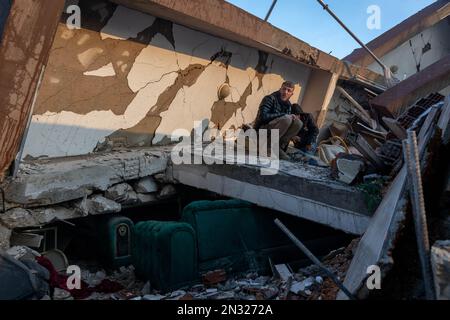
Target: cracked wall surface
{"type": "Point", "coordinates": [129, 77]}
{"type": "Point", "coordinates": [419, 52]}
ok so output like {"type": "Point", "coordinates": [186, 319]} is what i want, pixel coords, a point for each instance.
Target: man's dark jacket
{"type": "Point", "coordinates": [271, 108]}
{"type": "Point", "coordinates": [308, 134]}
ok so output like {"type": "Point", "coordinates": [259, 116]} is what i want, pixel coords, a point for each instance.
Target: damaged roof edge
{"type": "Point", "coordinates": [222, 19]}
{"type": "Point", "coordinates": [431, 79]}
{"type": "Point", "coordinates": [402, 32]}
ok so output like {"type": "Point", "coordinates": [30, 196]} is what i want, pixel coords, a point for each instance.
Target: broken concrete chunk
{"type": "Point", "coordinates": [100, 205]}
{"type": "Point", "coordinates": [348, 169]}
{"type": "Point", "coordinates": [122, 193]}
{"type": "Point", "coordinates": [283, 272]}
{"type": "Point", "coordinates": [167, 191]}
{"type": "Point", "coordinates": [146, 185]}
{"type": "Point", "coordinates": [301, 286]}
{"type": "Point", "coordinates": [81, 206]}
{"type": "Point", "coordinates": [119, 192]}
{"type": "Point", "coordinates": [146, 198]}
{"type": "Point", "coordinates": [26, 239]}
{"type": "Point", "coordinates": [5, 235]}
{"type": "Point", "coordinates": [48, 215]}
{"type": "Point", "coordinates": [21, 218]}
{"type": "Point", "coordinates": [163, 178]}
{"type": "Point", "coordinates": [44, 183]}
{"type": "Point", "coordinates": [17, 218]}
{"type": "Point", "coordinates": [440, 263]}
{"type": "Point", "coordinates": [132, 198]}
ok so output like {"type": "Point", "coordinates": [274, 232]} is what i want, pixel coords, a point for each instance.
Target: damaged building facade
{"type": "Point", "coordinates": [88, 116]}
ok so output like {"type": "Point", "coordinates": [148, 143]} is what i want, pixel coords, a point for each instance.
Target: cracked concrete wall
{"type": "Point", "coordinates": [130, 78]}
{"type": "Point", "coordinates": [419, 52]}
{"type": "Point", "coordinates": [24, 47]}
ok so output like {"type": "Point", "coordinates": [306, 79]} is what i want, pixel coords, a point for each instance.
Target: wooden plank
{"type": "Point", "coordinates": [366, 150]}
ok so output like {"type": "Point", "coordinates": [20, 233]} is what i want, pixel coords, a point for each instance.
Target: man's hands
{"type": "Point", "coordinates": [296, 139]}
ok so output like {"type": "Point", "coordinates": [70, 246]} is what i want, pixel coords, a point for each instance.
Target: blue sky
{"type": "Point", "coordinates": [306, 20]}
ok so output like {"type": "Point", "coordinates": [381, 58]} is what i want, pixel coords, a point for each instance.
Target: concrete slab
{"type": "Point", "coordinates": [52, 181]}
{"type": "Point", "coordinates": [298, 189]}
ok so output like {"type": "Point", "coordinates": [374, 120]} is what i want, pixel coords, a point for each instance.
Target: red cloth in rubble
{"type": "Point", "coordinates": [60, 281]}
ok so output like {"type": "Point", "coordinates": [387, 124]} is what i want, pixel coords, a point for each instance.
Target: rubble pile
{"type": "Point", "coordinates": [368, 142]}
{"type": "Point", "coordinates": [309, 283]}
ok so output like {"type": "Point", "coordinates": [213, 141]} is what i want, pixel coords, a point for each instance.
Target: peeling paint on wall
{"type": "Point", "coordinates": [130, 77]}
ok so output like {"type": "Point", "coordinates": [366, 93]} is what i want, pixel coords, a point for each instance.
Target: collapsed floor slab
{"type": "Point", "coordinates": [51, 181]}
{"type": "Point", "coordinates": [49, 189]}
{"type": "Point", "coordinates": [297, 189]}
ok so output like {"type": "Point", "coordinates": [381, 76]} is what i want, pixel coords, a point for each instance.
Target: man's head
{"type": "Point", "coordinates": [286, 91]}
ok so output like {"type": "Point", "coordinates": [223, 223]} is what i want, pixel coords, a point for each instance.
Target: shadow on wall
{"type": "Point", "coordinates": [55, 140]}
{"type": "Point", "coordinates": [126, 74]}
{"type": "Point", "coordinates": [5, 6]}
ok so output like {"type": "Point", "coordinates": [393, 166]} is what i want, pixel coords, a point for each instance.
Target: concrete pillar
{"type": "Point", "coordinates": [318, 94]}
{"type": "Point", "coordinates": [27, 37]}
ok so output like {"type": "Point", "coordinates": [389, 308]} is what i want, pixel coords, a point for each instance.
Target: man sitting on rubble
{"type": "Point", "coordinates": [275, 114]}
{"type": "Point", "coordinates": [306, 138]}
